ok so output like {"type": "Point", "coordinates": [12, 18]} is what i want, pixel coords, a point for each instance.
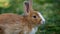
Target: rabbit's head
{"type": "Point", "coordinates": [32, 16]}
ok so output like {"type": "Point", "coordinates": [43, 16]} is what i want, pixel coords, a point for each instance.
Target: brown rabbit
{"type": "Point", "coordinates": [21, 24]}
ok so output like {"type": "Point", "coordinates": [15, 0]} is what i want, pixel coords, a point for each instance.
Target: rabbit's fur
{"type": "Point", "coordinates": [21, 24]}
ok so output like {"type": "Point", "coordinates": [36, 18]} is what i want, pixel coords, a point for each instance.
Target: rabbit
{"type": "Point", "coordinates": [27, 23]}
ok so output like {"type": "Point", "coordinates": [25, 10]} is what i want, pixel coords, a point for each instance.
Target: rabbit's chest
{"type": "Point", "coordinates": [34, 30]}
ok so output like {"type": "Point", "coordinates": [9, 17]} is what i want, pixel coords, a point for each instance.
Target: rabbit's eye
{"type": "Point", "coordinates": [34, 16]}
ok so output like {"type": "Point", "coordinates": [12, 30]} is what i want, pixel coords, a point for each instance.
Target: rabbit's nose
{"type": "Point", "coordinates": [43, 21]}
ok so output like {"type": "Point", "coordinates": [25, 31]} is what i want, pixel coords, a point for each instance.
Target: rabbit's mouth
{"type": "Point", "coordinates": [42, 22]}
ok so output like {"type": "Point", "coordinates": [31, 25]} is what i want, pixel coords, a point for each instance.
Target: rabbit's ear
{"type": "Point", "coordinates": [27, 6]}
{"type": "Point", "coordinates": [30, 4]}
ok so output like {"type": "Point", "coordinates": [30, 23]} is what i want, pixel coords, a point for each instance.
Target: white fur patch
{"type": "Point", "coordinates": [43, 20]}
{"type": "Point", "coordinates": [34, 30]}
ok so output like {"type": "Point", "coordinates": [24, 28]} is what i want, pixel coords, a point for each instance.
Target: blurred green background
{"type": "Point", "coordinates": [50, 9]}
